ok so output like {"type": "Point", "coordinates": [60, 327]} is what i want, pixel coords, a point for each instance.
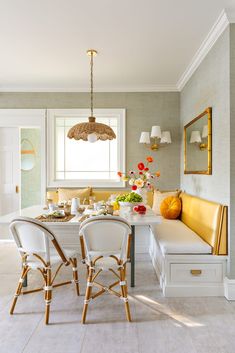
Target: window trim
{"type": "Point", "coordinates": [55, 113]}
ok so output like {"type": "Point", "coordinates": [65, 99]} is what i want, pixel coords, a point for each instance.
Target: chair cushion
{"type": "Point", "coordinates": [170, 207]}
{"type": "Point", "coordinates": [105, 263]}
{"type": "Point", "coordinates": [34, 263]}
{"type": "Point", "coordinates": [174, 237]}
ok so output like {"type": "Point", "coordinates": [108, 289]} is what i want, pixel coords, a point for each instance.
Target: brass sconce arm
{"type": "Point", "coordinates": [157, 138]}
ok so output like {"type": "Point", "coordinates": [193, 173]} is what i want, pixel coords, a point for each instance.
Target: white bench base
{"type": "Point", "coordinates": [176, 279]}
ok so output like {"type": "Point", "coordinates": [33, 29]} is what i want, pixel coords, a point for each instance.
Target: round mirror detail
{"type": "Point", "coordinates": [27, 155]}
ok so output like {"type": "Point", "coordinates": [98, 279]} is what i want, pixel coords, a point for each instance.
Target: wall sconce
{"type": "Point", "coordinates": [156, 135]}
{"type": "Point", "coordinates": [197, 138]}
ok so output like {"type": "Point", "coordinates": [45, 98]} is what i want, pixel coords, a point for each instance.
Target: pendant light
{"type": "Point", "coordinates": [91, 131]}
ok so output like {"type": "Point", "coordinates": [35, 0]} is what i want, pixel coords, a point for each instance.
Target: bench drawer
{"type": "Point", "coordinates": [196, 272]}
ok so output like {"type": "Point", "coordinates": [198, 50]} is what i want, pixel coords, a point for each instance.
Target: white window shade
{"type": "Point", "coordinates": [74, 163]}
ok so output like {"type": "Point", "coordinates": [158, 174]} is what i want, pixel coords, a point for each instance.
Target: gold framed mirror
{"type": "Point", "coordinates": [198, 144]}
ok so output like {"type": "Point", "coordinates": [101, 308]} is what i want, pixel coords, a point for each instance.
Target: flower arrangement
{"type": "Point", "coordinates": [143, 178]}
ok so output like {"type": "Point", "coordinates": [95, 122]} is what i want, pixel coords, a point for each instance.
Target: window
{"type": "Point", "coordinates": [80, 163]}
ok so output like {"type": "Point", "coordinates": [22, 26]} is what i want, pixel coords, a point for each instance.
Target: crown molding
{"type": "Point", "coordinates": [227, 16]}
{"type": "Point", "coordinates": [101, 89]}
{"type": "Point", "coordinates": [141, 88]}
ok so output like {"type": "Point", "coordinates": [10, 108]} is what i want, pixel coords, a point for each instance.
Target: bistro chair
{"type": "Point", "coordinates": [105, 245]}
{"type": "Point", "coordinates": [40, 250]}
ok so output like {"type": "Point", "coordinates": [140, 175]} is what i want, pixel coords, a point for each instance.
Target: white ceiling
{"type": "Point", "coordinates": [143, 45]}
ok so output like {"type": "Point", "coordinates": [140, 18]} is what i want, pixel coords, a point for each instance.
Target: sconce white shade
{"type": "Point", "coordinates": [156, 132]}
{"type": "Point", "coordinates": [205, 131]}
{"type": "Point", "coordinates": [166, 137]}
{"type": "Point", "coordinates": [195, 137]}
{"type": "Point", "coordinates": [144, 137]}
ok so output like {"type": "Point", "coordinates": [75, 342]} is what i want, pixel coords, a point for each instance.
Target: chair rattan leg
{"type": "Point", "coordinates": [75, 274]}
{"type": "Point", "coordinates": [19, 288]}
{"type": "Point", "coordinates": [87, 295]}
{"type": "Point", "coordinates": [48, 294]}
{"type": "Point", "coordinates": [124, 270]}
{"type": "Point", "coordinates": [123, 286]}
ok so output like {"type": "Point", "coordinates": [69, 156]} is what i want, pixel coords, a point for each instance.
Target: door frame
{"type": "Point", "coordinates": [29, 118]}
{"type": "Point", "coordinates": [12, 147]}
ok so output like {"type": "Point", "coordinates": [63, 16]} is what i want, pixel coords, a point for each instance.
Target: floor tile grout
{"type": "Point", "coordinates": [25, 346]}
{"type": "Point", "coordinates": [165, 325]}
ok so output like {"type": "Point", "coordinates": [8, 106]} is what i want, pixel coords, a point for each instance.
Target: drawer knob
{"type": "Point", "coordinates": [196, 272]}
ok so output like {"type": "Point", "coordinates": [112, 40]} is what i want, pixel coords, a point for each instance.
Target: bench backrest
{"type": "Point", "coordinates": [100, 194]}
{"type": "Point", "coordinates": [207, 219]}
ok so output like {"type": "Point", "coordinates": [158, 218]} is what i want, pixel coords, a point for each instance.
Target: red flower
{"type": "Point", "coordinates": [134, 187]}
{"type": "Point", "coordinates": [146, 169]}
{"type": "Point", "coordinates": [141, 166]}
{"type": "Point", "coordinates": [119, 174]}
{"type": "Point", "coordinates": [149, 159]}
{"type": "Point", "coordinates": [140, 173]}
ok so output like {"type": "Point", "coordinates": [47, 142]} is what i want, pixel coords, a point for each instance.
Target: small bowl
{"type": "Point", "coordinates": [58, 214]}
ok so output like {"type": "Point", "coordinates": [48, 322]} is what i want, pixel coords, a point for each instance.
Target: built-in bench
{"type": "Point", "coordinates": [189, 254]}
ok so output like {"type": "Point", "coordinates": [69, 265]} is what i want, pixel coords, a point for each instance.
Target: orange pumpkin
{"type": "Point", "coordinates": [170, 207]}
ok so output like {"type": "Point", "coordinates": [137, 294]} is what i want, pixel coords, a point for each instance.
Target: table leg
{"type": "Point", "coordinates": [133, 256]}
{"type": "Point", "coordinates": [25, 283]}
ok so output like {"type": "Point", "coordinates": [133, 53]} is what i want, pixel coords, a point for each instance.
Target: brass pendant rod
{"type": "Point", "coordinates": [91, 63]}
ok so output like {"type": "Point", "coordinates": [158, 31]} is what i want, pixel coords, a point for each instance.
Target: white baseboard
{"type": "Point", "coordinates": [229, 288]}
{"type": "Point", "coordinates": [183, 290]}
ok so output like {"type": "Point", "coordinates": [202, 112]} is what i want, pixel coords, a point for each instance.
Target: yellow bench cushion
{"type": "Point", "coordinates": [206, 219]}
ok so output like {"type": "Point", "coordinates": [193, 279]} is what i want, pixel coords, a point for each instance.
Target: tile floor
{"type": "Point", "coordinates": [160, 325]}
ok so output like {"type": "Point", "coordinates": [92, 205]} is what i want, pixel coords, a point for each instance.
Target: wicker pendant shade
{"type": "Point", "coordinates": [82, 131]}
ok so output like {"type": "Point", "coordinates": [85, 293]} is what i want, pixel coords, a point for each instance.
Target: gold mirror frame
{"type": "Point", "coordinates": [208, 112]}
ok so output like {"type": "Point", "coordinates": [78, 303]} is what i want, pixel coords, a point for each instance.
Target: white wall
{"type": "Point", "coordinates": [143, 109]}
{"type": "Point", "coordinates": [210, 86]}
{"type": "Point", "coordinates": [232, 150]}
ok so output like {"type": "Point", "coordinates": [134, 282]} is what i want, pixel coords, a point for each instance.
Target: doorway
{"type": "Point", "coordinates": [9, 170]}
{"type": "Point", "coordinates": [18, 188]}
{"type": "Point", "coordinates": [20, 168]}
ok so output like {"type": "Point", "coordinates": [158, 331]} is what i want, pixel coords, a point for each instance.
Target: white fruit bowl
{"type": "Point", "coordinates": [128, 204]}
